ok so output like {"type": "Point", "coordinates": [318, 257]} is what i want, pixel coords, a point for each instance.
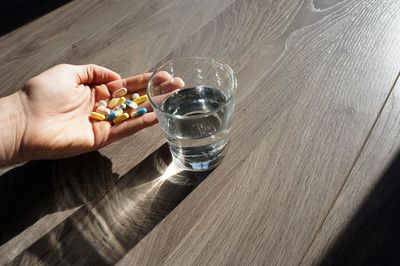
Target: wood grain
{"type": "Point", "coordinates": [127, 36]}
{"type": "Point", "coordinates": [38, 196]}
{"type": "Point", "coordinates": [121, 218]}
{"type": "Point", "coordinates": [313, 77]}
{"type": "Point", "coordinates": [83, 32]}
{"type": "Point", "coordinates": [360, 228]}
{"type": "Point", "coordinates": [307, 119]}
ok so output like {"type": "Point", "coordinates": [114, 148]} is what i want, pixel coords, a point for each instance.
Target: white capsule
{"type": "Point", "coordinates": [102, 103]}
{"type": "Point", "coordinates": [103, 110]}
{"type": "Point", "coordinates": [135, 95]}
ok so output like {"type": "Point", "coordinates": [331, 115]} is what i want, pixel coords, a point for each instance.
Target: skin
{"type": "Point", "coordinates": [49, 117]}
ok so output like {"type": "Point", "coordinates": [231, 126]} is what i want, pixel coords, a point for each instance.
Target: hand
{"type": "Point", "coordinates": [56, 107]}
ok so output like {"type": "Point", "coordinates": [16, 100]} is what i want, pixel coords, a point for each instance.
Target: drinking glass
{"type": "Point", "coordinates": [196, 119]}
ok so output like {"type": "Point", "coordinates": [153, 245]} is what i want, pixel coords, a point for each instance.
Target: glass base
{"type": "Point", "coordinates": [199, 163]}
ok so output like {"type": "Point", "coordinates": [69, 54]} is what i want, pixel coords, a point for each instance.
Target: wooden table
{"type": "Point", "coordinates": [312, 173]}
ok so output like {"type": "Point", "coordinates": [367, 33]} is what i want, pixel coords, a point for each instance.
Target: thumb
{"type": "Point", "coordinates": [94, 74]}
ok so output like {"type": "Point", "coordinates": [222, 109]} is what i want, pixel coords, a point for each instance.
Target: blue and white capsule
{"type": "Point", "coordinates": [139, 112]}
{"type": "Point", "coordinates": [114, 113]}
{"type": "Point", "coordinates": [131, 104]}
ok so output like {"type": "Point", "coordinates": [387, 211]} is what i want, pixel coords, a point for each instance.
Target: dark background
{"type": "Point", "coordinates": [15, 13]}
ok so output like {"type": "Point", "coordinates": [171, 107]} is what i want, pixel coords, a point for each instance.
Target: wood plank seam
{"type": "Point", "coordinates": [94, 204]}
{"type": "Point", "coordinates": [352, 167]}
{"type": "Point", "coordinates": [87, 211]}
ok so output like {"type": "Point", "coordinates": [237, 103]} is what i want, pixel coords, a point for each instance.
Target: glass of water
{"type": "Point", "coordinates": [196, 119]}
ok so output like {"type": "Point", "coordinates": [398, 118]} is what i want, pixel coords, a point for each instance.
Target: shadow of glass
{"type": "Point", "coordinates": [373, 235]}
{"type": "Point", "coordinates": [16, 13]}
{"type": "Point", "coordinates": [102, 233]}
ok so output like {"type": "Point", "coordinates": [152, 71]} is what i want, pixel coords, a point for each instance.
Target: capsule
{"type": "Point", "coordinates": [120, 118]}
{"type": "Point", "coordinates": [117, 109]}
{"type": "Point", "coordinates": [114, 113]}
{"type": "Point", "coordinates": [121, 101]}
{"type": "Point", "coordinates": [140, 99]}
{"type": "Point", "coordinates": [97, 116]}
{"type": "Point", "coordinates": [114, 102]}
{"type": "Point", "coordinates": [139, 112]}
{"type": "Point", "coordinates": [131, 104]}
{"type": "Point", "coordinates": [120, 92]}
{"type": "Point", "coordinates": [102, 103]}
{"type": "Point", "coordinates": [135, 95]}
{"type": "Point", "coordinates": [122, 106]}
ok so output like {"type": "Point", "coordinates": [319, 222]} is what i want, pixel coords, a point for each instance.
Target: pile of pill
{"type": "Point", "coordinates": [119, 108]}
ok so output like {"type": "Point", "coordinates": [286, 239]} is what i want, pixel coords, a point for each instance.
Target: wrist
{"type": "Point", "coordinates": [12, 124]}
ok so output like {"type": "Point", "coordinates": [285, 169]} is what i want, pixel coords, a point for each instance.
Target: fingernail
{"type": "Point", "coordinates": [177, 82]}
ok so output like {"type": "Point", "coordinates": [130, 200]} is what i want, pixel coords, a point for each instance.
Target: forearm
{"type": "Point", "coordinates": [12, 126]}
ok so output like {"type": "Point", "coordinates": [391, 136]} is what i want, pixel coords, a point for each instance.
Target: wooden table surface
{"type": "Point", "coordinates": [312, 175]}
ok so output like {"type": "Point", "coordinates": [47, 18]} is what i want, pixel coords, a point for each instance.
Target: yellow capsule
{"type": "Point", "coordinates": [121, 101]}
{"type": "Point", "coordinates": [121, 118]}
{"type": "Point", "coordinates": [140, 99]}
{"type": "Point", "coordinates": [114, 102]}
{"type": "Point", "coordinates": [97, 116]}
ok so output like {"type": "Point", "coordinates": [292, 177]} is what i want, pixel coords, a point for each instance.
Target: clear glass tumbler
{"type": "Point", "coordinates": [196, 119]}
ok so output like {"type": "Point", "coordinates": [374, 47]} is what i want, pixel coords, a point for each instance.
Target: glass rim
{"type": "Point", "coordinates": [158, 69]}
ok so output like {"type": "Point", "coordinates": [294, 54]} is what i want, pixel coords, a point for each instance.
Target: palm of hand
{"type": "Point", "coordinates": [57, 103]}
{"type": "Point", "coordinates": [56, 110]}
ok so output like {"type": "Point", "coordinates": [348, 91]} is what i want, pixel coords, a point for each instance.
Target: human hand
{"type": "Point", "coordinates": [56, 106]}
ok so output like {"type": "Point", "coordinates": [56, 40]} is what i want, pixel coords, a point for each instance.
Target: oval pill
{"type": "Point", "coordinates": [120, 92]}
{"type": "Point", "coordinates": [140, 99]}
{"type": "Point", "coordinates": [97, 116]}
{"type": "Point", "coordinates": [114, 102]}
{"type": "Point", "coordinates": [120, 118]}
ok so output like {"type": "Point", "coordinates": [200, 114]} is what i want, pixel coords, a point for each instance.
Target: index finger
{"type": "Point", "coordinates": [139, 82]}
{"type": "Point", "coordinates": [132, 84]}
